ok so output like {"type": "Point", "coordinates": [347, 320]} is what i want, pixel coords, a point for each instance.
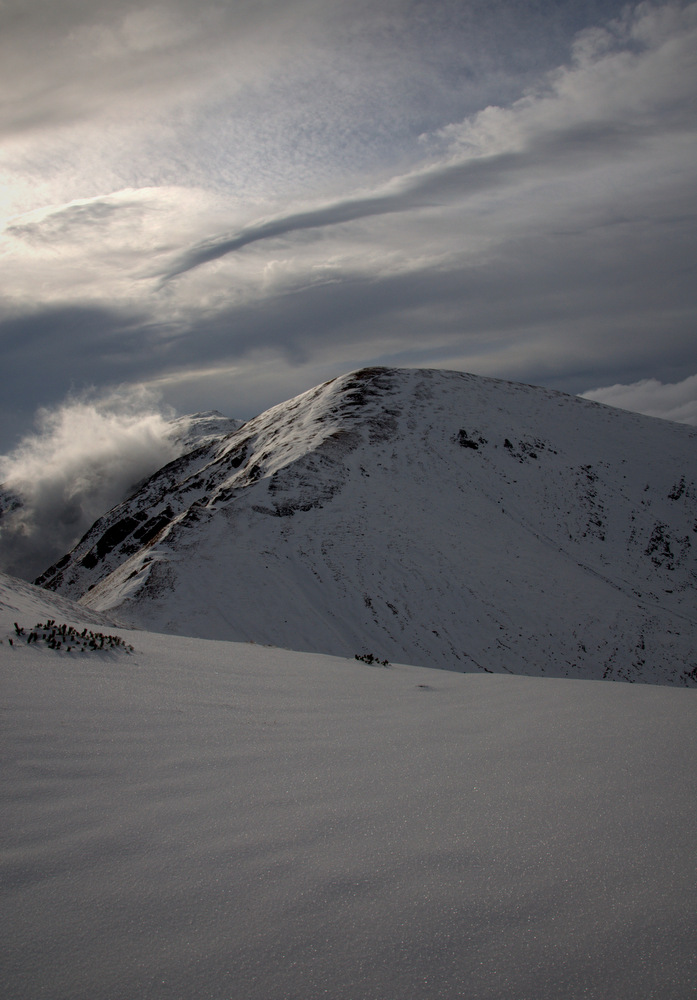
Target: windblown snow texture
{"type": "Point", "coordinates": [425, 517]}
{"type": "Point", "coordinates": [208, 819]}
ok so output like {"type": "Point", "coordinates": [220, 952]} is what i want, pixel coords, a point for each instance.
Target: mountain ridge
{"type": "Point", "coordinates": [427, 517]}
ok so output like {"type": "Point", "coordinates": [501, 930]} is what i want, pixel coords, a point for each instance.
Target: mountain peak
{"type": "Point", "coordinates": [422, 516]}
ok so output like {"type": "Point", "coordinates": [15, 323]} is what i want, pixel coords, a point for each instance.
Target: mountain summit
{"type": "Point", "coordinates": [424, 517]}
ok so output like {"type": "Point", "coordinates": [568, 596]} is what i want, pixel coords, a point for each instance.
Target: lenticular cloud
{"type": "Point", "coordinates": [85, 456]}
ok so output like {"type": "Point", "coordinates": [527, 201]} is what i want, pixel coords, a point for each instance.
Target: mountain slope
{"type": "Point", "coordinates": [26, 604]}
{"type": "Point", "coordinates": [427, 517]}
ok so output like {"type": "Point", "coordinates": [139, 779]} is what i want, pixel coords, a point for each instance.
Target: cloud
{"type": "Point", "coordinates": [672, 401]}
{"type": "Point", "coordinates": [372, 189]}
{"type": "Point", "coordinates": [610, 103]}
{"type": "Point", "coordinates": [86, 455]}
{"type": "Point", "coordinates": [282, 95]}
{"type": "Point", "coordinates": [77, 59]}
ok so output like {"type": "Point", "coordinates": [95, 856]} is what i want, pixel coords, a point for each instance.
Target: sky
{"type": "Point", "coordinates": [221, 204]}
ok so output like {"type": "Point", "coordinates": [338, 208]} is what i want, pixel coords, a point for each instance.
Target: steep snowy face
{"type": "Point", "coordinates": [198, 429]}
{"type": "Point", "coordinates": [426, 517]}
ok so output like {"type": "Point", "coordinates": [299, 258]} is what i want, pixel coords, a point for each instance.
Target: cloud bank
{"type": "Point", "coordinates": [85, 456]}
{"type": "Point", "coordinates": [677, 401]}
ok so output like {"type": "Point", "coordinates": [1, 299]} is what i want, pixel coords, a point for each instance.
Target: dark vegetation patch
{"type": "Point", "coordinates": [527, 448]}
{"type": "Point", "coordinates": [689, 676]}
{"type": "Point", "coordinates": [678, 490]}
{"type": "Point", "coordinates": [288, 509]}
{"type": "Point", "coordinates": [472, 441]}
{"type": "Point", "coordinates": [659, 548]}
{"type": "Point", "coordinates": [586, 480]}
{"type": "Point", "coordinates": [67, 638]}
{"type": "Point", "coordinates": [371, 659]}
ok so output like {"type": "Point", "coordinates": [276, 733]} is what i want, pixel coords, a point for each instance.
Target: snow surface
{"type": "Point", "coordinates": [197, 429]}
{"type": "Point", "coordinates": [433, 518]}
{"type": "Point", "coordinates": [211, 819]}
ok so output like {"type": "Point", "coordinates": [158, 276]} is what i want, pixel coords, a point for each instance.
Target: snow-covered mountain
{"type": "Point", "coordinates": [425, 517]}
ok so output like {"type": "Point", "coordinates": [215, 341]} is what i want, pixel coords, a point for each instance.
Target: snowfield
{"type": "Point", "coordinates": [212, 819]}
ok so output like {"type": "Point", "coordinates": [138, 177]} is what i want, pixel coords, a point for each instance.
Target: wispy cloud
{"type": "Point", "coordinates": [672, 401]}
{"type": "Point", "coordinates": [617, 99]}
{"type": "Point", "coordinates": [430, 188]}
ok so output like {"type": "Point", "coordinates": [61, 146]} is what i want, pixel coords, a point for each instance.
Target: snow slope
{"type": "Point", "coordinates": [209, 819]}
{"type": "Point", "coordinates": [197, 429]}
{"type": "Point", "coordinates": [427, 517]}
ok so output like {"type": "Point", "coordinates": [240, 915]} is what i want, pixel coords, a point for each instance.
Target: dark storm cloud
{"type": "Point", "coordinates": [47, 352]}
{"type": "Point", "coordinates": [69, 339]}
